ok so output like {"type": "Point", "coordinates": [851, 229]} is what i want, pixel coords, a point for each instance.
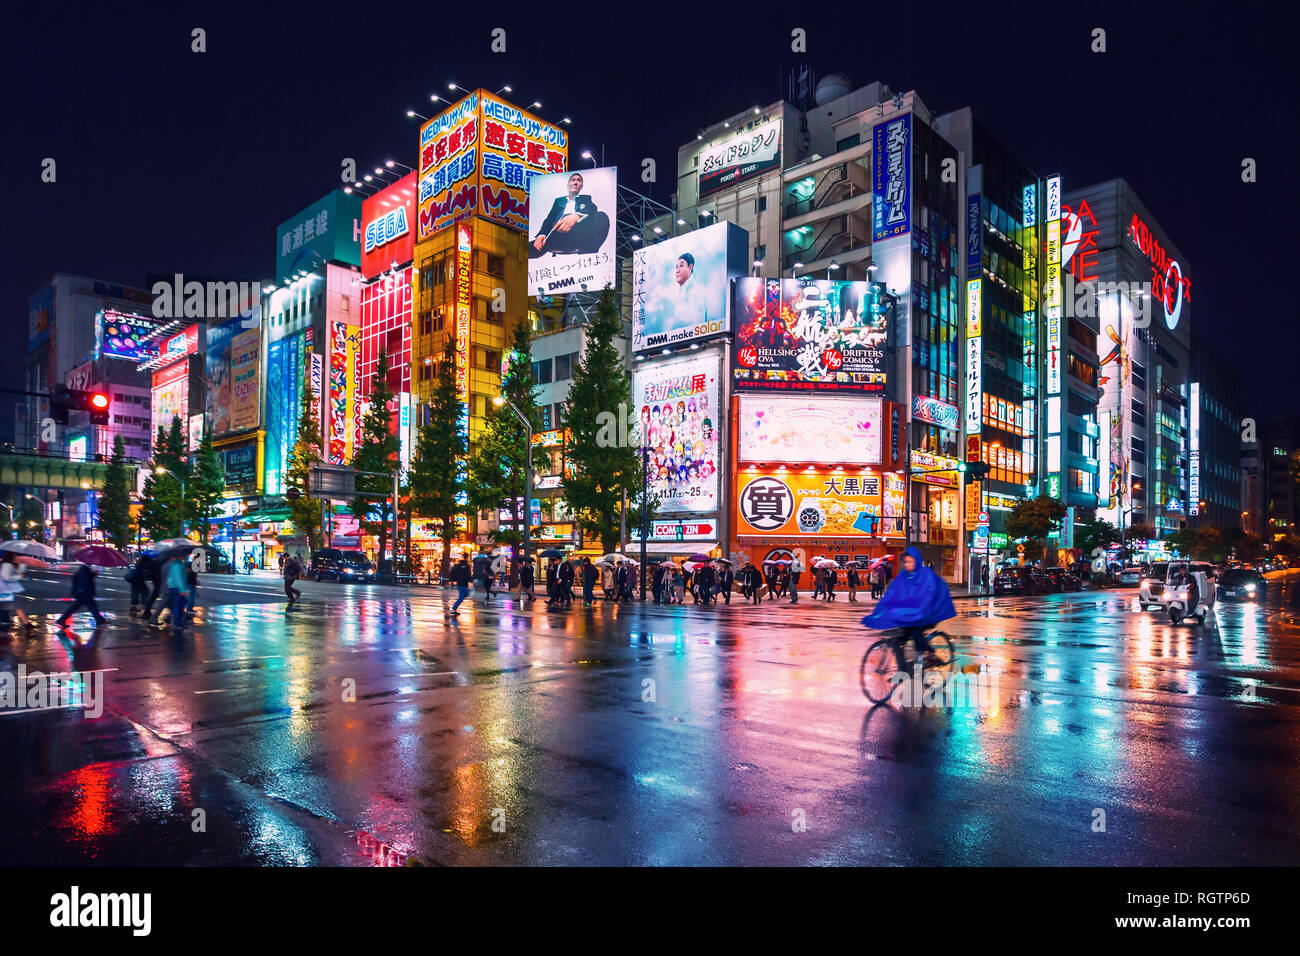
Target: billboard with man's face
{"type": "Point", "coordinates": [677, 402]}
{"type": "Point", "coordinates": [571, 235]}
{"type": "Point", "coordinates": [681, 286]}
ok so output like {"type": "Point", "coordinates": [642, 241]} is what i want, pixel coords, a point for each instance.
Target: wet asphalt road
{"type": "Point", "coordinates": [751, 744]}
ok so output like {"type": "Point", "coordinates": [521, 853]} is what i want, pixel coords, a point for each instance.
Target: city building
{"type": "Point", "coordinates": [476, 161]}
{"type": "Point", "coordinates": [1279, 506]}
{"type": "Point", "coordinates": [1142, 297]}
{"type": "Point", "coordinates": [1214, 472]}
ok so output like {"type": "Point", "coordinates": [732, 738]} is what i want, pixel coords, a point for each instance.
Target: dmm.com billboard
{"type": "Point", "coordinates": [681, 286]}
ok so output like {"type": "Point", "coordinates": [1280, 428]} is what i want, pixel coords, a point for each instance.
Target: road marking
{"type": "Point", "coordinates": [227, 660]}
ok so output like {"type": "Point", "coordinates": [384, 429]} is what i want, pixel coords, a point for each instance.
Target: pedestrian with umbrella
{"type": "Point", "coordinates": [852, 578]}
{"type": "Point", "coordinates": [552, 580]}
{"type": "Point", "coordinates": [657, 583]}
{"type": "Point", "coordinates": [796, 569]}
{"type": "Point", "coordinates": [138, 576]}
{"type": "Point", "coordinates": [706, 577]}
{"type": "Point", "coordinates": [526, 581]}
{"type": "Point", "coordinates": [11, 585]}
{"type": "Point", "coordinates": [566, 576]}
{"type": "Point", "coordinates": [589, 577]}
{"type": "Point", "coordinates": [679, 584]}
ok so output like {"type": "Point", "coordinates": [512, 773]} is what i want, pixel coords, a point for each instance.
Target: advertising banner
{"type": "Point", "coordinates": [742, 157]}
{"type": "Point", "coordinates": [245, 361]}
{"type": "Point", "coordinates": [240, 462]}
{"type": "Point", "coordinates": [891, 177]}
{"type": "Point", "coordinates": [178, 346]}
{"type": "Point", "coordinates": [388, 227]}
{"type": "Point", "coordinates": [677, 401]}
{"type": "Point", "coordinates": [124, 336]}
{"type": "Point", "coordinates": [170, 395]}
{"type": "Point", "coordinates": [220, 391]}
{"type": "Point", "coordinates": [345, 341]}
{"type": "Point", "coordinates": [328, 230]}
{"type": "Point", "coordinates": [479, 156]}
{"type": "Point", "coordinates": [821, 504]}
{"type": "Point", "coordinates": [681, 286]}
{"type": "Point", "coordinates": [830, 430]}
{"type": "Point", "coordinates": [935, 412]}
{"type": "Point", "coordinates": [810, 334]}
{"type": "Point", "coordinates": [571, 231]}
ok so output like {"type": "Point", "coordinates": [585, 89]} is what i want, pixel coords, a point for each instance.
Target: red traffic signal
{"type": "Point", "coordinates": [99, 401]}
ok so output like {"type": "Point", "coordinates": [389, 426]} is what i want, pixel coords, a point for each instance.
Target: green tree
{"type": "Point", "coordinates": [1034, 519]}
{"type": "Point", "coordinates": [437, 472]}
{"type": "Point", "coordinates": [603, 465]}
{"type": "Point", "coordinates": [161, 498]}
{"type": "Point", "coordinates": [496, 472]}
{"type": "Point", "coordinates": [305, 511]}
{"type": "Point", "coordinates": [206, 488]}
{"type": "Point", "coordinates": [115, 498]}
{"type": "Point", "coordinates": [1093, 533]}
{"type": "Point", "coordinates": [1182, 541]}
{"type": "Point", "coordinates": [376, 453]}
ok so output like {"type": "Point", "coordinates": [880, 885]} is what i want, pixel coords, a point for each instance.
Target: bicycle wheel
{"type": "Point", "coordinates": [879, 664]}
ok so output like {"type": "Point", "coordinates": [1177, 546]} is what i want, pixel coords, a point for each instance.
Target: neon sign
{"type": "Point", "coordinates": [386, 228]}
{"type": "Point", "coordinates": [463, 257]}
{"type": "Point", "coordinates": [1168, 283]}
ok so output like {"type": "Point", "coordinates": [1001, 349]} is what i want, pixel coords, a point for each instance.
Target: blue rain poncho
{"type": "Point", "coordinates": [917, 598]}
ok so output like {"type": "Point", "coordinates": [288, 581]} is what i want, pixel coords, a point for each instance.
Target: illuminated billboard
{"type": "Point", "coordinates": [827, 430]}
{"type": "Point", "coordinates": [677, 403]}
{"type": "Point", "coordinates": [170, 396]}
{"type": "Point", "coordinates": [571, 234]}
{"type": "Point", "coordinates": [891, 178]}
{"type": "Point", "coordinates": [388, 227]}
{"type": "Point", "coordinates": [342, 406]}
{"type": "Point", "coordinates": [478, 158]}
{"type": "Point", "coordinates": [328, 230]}
{"type": "Point", "coordinates": [124, 336]}
{"type": "Point", "coordinates": [245, 361]}
{"type": "Point", "coordinates": [681, 286]}
{"type": "Point", "coordinates": [742, 157]}
{"type": "Point", "coordinates": [810, 334]}
{"type": "Point", "coordinates": [826, 503]}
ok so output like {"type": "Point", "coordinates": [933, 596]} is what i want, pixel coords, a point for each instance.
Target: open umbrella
{"type": "Point", "coordinates": [101, 557]}
{"type": "Point", "coordinates": [825, 563]}
{"type": "Point", "coordinates": [667, 564]}
{"type": "Point", "coordinates": [33, 548]}
{"type": "Point", "coordinates": [171, 544]}
{"type": "Point", "coordinates": [698, 557]}
{"type": "Point", "coordinates": [30, 561]}
{"type": "Point", "coordinates": [552, 553]}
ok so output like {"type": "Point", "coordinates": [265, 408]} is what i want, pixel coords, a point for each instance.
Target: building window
{"type": "Point", "coordinates": [542, 372]}
{"type": "Point", "coordinates": [426, 371]}
{"type": "Point", "coordinates": [426, 323]}
{"type": "Point", "coordinates": [496, 265]}
{"type": "Point", "coordinates": [848, 142]}
{"type": "Point", "coordinates": [563, 367]}
{"type": "Point", "coordinates": [760, 204]}
{"type": "Point", "coordinates": [492, 360]}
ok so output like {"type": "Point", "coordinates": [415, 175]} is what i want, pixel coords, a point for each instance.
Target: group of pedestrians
{"type": "Point", "coordinates": [148, 577]}
{"type": "Point", "coordinates": [704, 582]}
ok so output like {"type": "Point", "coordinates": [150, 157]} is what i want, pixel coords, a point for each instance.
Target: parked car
{"type": "Point", "coordinates": [1153, 590]}
{"type": "Point", "coordinates": [341, 565]}
{"type": "Point", "coordinates": [1063, 580]}
{"type": "Point", "coordinates": [1242, 585]}
{"type": "Point", "coordinates": [1018, 580]}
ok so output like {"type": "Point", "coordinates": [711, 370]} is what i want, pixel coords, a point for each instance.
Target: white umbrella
{"type": "Point", "coordinates": [169, 543]}
{"type": "Point", "coordinates": [825, 563]}
{"type": "Point", "coordinates": [611, 558]}
{"type": "Point", "coordinates": [33, 548]}
{"type": "Point", "coordinates": [667, 564]}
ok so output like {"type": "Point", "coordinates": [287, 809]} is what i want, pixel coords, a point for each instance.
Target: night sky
{"type": "Point", "coordinates": [172, 161]}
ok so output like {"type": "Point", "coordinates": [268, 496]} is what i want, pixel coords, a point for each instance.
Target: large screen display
{"type": "Point", "coordinates": [810, 334]}
{"type": "Point", "coordinates": [677, 401]}
{"type": "Point", "coordinates": [822, 430]}
{"type": "Point", "coordinates": [571, 234]}
{"type": "Point", "coordinates": [388, 227]}
{"type": "Point", "coordinates": [681, 286]}
{"type": "Point", "coordinates": [125, 336]}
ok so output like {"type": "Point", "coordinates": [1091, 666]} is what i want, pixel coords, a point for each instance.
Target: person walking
{"type": "Point", "coordinates": [526, 581]}
{"type": "Point", "coordinates": [155, 586]}
{"type": "Point", "coordinates": [292, 570]}
{"type": "Point", "coordinates": [828, 586]}
{"type": "Point", "coordinates": [567, 575]}
{"type": "Point", "coordinates": [176, 577]}
{"type": "Point", "coordinates": [83, 595]}
{"type": "Point", "coordinates": [191, 590]}
{"type": "Point", "coordinates": [705, 577]}
{"type": "Point", "coordinates": [873, 576]}
{"type": "Point", "coordinates": [620, 581]}
{"type": "Point", "coordinates": [679, 585]}
{"type": "Point", "coordinates": [11, 585]}
{"type": "Point", "coordinates": [138, 578]}
{"type": "Point", "coordinates": [755, 584]}
{"type": "Point", "coordinates": [589, 578]}
{"type": "Point", "coordinates": [796, 569]}
{"type": "Point", "coordinates": [607, 581]}
{"type": "Point", "coordinates": [725, 578]}
{"type": "Point", "coordinates": [552, 582]}
{"type": "Point", "coordinates": [852, 580]}
{"type": "Point", "coordinates": [460, 576]}
{"type": "Point", "coordinates": [984, 577]}
{"type": "Point", "coordinates": [657, 584]}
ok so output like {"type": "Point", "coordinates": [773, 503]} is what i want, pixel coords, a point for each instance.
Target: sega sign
{"type": "Point", "coordinates": [386, 236]}
{"type": "Point", "coordinates": [386, 228]}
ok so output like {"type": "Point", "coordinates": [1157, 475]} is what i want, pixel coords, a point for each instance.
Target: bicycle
{"type": "Point", "coordinates": [880, 663]}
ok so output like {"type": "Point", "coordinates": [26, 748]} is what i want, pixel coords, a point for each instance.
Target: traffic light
{"type": "Point", "coordinates": [975, 470]}
{"type": "Point", "coordinates": [64, 399]}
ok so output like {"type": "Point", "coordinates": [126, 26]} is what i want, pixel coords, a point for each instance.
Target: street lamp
{"type": "Point", "coordinates": [498, 401]}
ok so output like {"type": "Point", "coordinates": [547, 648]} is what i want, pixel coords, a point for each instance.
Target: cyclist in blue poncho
{"type": "Point", "coordinates": [916, 601]}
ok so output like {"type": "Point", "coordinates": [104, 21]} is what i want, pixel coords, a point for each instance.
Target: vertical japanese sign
{"type": "Point", "coordinates": [1194, 451]}
{"type": "Point", "coordinates": [1029, 202]}
{"type": "Point", "coordinates": [1052, 287]}
{"type": "Point", "coordinates": [974, 358]}
{"type": "Point", "coordinates": [891, 177]}
{"type": "Point", "coordinates": [344, 341]}
{"type": "Point", "coordinates": [974, 235]}
{"type": "Point", "coordinates": [315, 379]}
{"type": "Point", "coordinates": [464, 257]}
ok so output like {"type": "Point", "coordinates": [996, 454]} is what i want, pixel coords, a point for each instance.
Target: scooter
{"type": "Point", "coordinates": [1189, 600]}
